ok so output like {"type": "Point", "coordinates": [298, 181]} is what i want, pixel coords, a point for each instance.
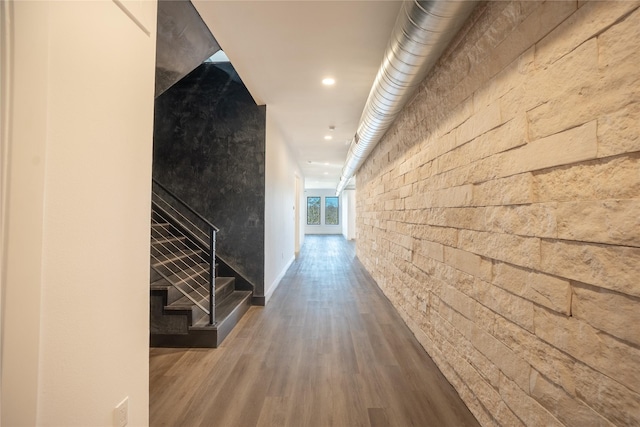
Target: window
{"type": "Point", "coordinates": [331, 213]}
{"type": "Point", "coordinates": [313, 210]}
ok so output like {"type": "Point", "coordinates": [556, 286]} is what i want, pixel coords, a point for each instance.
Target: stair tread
{"type": "Point", "coordinates": [226, 307]}
{"type": "Point", "coordinates": [184, 303]}
{"type": "Point", "coordinates": [201, 295]}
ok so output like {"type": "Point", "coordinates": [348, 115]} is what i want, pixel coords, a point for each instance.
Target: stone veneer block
{"type": "Point", "coordinates": [460, 218]}
{"type": "Point", "coordinates": [467, 262]}
{"type": "Point", "coordinates": [427, 265]}
{"type": "Point", "coordinates": [483, 390]}
{"type": "Point", "coordinates": [445, 236]}
{"type": "Point", "coordinates": [571, 146]}
{"type": "Point", "coordinates": [606, 81]}
{"type": "Point", "coordinates": [562, 405]}
{"type": "Point", "coordinates": [616, 268]}
{"type": "Point", "coordinates": [512, 77]}
{"type": "Point", "coordinates": [513, 190]}
{"type": "Point", "coordinates": [485, 319]}
{"type": "Point", "coordinates": [430, 249]}
{"type": "Point", "coordinates": [608, 397]}
{"type": "Point", "coordinates": [601, 221]}
{"type": "Point", "coordinates": [449, 197]}
{"type": "Point", "coordinates": [617, 61]}
{"type": "Point", "coordinates": [481, 122]}
{"type": "Point", "coordinates": [611, 312]}
{"type": "Point", "coordinates": [548, 291]}
{"type": "Point", "coordinates": [441, 145]}
{"type": "Point", "coordinates": [523, 251]}
{"type": "Point", "coordinates": [619, 132]}
{"type": "Point", "coordinates": [511, 135]}
{"type": "Point", "coordinates": [506, 304]}
{"type": "Point", "coordinates": [509, 363]}
{"type": "Point", "coordinates": [568, 85]}
{"type": "Point", "coordinates": [458, 115]}
{"type": "Point", "coordinates": [543, 18]}
{"type": "Point", "coordinates": [586, 23]}
{"type": "Point", "coordinates": [461, 280]}
{"type": "Point", "coordinates": [616, 178]}
{"type": "Point", "coordinates": [551, 362]}
{"type": "Point", "coordinates": [524, 406]}
{"type": "Point", "coordinates": [537, 220]}
{"type": "Point", "coordinates": [460, 302]}
{"type": "Point", "coordinates": [590, 346]}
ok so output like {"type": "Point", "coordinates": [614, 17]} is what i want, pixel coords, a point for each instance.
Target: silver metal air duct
{"type": "Point", "coordinates": [422, 32]}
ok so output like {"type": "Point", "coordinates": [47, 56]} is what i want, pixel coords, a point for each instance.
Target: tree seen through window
{"type": "Point", "coordinates": [331, 213]}
{"type": "Point", "coordinates": [313, 210]}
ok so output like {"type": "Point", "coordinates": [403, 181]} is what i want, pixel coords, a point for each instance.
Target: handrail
{"type": "Point", "coordinates": [183, 203]}
{"type": "Point", "coordinates": [179, 222]}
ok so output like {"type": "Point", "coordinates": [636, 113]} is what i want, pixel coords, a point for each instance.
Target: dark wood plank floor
{"type": "Point", "coordinates": [328, 350]}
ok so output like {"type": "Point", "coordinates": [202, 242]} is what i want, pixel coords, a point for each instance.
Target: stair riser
{"type": "Point", "coordinates": [225, 327]}
{"type": "Point", "coordinates": [154, 275]}
{"type": "Point", "coordinates": [161, 323]}
{"type": "Point", "coordinates": [223, 291]}
{"type": "Point", "coordinates": [176, 321]}
{"type": "Point", "coordinates": [173, 295]}
{"type": "Point", "coordinates": [197, 315]}
{"type": "Point", "coordinates": [193, 313]}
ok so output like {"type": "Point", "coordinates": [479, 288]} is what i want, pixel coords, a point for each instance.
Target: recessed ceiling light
{"type": "Point", "coordinates": [326, 163]}
{"type": "Point", "coordinates": [326, 173]}
{"type": "Point", "coordinates": [328, 137]}
{"type": "Point", "coordinates": [328, 81]}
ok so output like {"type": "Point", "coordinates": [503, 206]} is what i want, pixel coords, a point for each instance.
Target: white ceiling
{"type": "Point", "coordinates": [283, 49]}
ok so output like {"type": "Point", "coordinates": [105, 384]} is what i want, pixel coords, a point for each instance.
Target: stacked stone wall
{"type": "Point", "coordinates": [501, 213]}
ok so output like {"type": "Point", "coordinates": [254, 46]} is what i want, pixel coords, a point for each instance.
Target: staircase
{"type": "Point", "coordinates": [183, 313]}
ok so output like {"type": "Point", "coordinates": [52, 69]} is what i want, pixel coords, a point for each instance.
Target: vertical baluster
{"type": "Point", "coordinates": [212, 276]}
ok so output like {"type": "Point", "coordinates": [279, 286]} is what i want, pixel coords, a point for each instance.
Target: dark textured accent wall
{"type": "Point", "coordinates": [183, 42]}
{"type": "Point", "coordinates": [209, 149]}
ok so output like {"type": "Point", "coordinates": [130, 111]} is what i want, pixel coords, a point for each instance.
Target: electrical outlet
{"type": "Point", "coordinates": [121, 413]}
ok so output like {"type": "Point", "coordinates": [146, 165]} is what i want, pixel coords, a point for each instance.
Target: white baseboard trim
{"type": "Point", "coordinates": [277, 281]}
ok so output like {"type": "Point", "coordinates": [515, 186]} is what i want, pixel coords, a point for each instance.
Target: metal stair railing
{"type": "Point", "coordinates": [187, 273]}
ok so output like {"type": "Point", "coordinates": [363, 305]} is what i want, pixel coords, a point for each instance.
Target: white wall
{"type": "Point", "coordinates": [322, 228]}
{"type": "Point", "coordinates": [348, 211]}
{"type": "Point", "coordinates": [25, 112]}
{"type": "Point", "coordinates": [280, 216]}
{"type": "Point", "coordinates": [76, 288]}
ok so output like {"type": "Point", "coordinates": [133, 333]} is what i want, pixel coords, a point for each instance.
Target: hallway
{"type": "Point", "coordinates": [328, 349]}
